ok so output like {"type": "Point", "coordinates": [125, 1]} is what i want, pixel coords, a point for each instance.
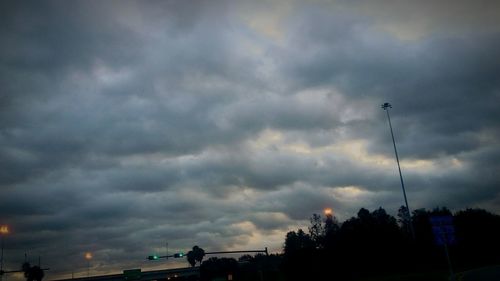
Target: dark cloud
{"type": "Point", "coordinates": [124, 125]}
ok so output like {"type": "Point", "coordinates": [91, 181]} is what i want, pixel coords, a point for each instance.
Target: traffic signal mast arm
{"type": "Point", "coordinates": [180, 255]}
{"type": "Point", "coordinates": [237, 252]}
{"type": "Point", "coordinates": [176, 255]}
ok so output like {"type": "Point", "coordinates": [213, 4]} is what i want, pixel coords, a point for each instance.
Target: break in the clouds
{"type": "Point", "coordinates": [126, 124]}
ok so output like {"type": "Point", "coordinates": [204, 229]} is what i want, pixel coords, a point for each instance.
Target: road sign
{"type": "Point", "coordinates": [443, 229]}
{"type": "Point", "coordinates": [132, 274]}
{"type": "Point", "coordinates": [444, 234]}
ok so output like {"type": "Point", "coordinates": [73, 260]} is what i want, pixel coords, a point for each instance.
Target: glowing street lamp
{"type": "Point", "coordinates": [328, 212]}
{"type": "Point", "coordinates": [4, 230]}
{"type": "Point", "coordinates": [88, 257]}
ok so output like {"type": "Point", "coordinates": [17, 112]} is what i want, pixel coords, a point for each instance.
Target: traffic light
{"type": "Point", "coordinates": [178, 255]}
{"type": "Point", "coordinates": [153, 258]}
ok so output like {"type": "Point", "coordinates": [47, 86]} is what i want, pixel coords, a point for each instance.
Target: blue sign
{"type": "Point", "coordinates": [443, 229]}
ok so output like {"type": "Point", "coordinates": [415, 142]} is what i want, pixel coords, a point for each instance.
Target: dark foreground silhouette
{"type": "Point", "coordinates": [32, 273]}
{"type": "Point", "coordinates": [371, 246]}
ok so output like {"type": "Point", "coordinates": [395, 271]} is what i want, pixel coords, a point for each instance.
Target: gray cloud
{"type": "Point", "coordinates": [124, 125]}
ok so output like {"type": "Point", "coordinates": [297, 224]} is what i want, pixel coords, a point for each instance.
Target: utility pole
{"type": "Point", "coordinates": [4, 230]}
{"type": "Point", "coordinates": [386, 107]}
{"type": "Point", "coordinates": [88, 257]}
{"type": "Point", "coordinates": [1, 260]}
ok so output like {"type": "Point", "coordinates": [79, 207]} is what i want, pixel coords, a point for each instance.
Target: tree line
{"type": "Point", "coordinates": [369, 245]}
{"type": "Point", "coordinates": [376, 244]}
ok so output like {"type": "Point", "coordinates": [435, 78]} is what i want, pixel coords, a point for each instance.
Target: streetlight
{"type": "Point", "coordinates": [330, 224]}
{"type": "Point", "coordinates": [386, 107]}
{"type": "Point", "coordinates": [328, 212]}
{"type": "Point", "coordinates": [88, 257]}
{"type": "Point", "coordinates": [4, 230]}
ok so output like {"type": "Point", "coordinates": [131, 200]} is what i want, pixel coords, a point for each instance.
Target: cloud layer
{"type": "Point", "coordinates": [124, 125]}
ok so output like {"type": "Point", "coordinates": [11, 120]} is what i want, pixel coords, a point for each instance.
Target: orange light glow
{"type": "Point", "coordinates": [328, 212]}
{"type": "Point", "coordinates": [88, 255]}
{"type": "Point", "coordinates": [4, 229]}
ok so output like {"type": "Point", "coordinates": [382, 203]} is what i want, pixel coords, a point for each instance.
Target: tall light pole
{"type": "Point", "coordinates": [386, 107]}
{"type": "Point", "coordinates": [4, 230]}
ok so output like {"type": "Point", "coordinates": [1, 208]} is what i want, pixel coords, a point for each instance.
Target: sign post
{"type": "Point", "coordinates": [444, 235]}
{"type": "Point", "coordinates": [132, 274]}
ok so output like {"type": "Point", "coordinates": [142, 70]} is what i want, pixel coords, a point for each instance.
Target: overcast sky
{"type": "Point", "coordinates": [225, 124]}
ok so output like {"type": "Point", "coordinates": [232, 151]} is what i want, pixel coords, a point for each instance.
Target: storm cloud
{"type": "Point", "coordinates": [125, 125]}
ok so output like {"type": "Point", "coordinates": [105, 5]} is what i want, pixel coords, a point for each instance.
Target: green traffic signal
{"type": "Point", "coordinates": [152, 258]}
{"type": "Point", "coordinates": [178, 255]}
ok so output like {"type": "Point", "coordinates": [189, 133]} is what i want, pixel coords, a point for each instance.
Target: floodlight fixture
{"type": "Point", "coordinates": [386, 105]}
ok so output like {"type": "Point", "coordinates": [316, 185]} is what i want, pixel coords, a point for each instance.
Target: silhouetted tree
{"type": "Point", "coordinates": [297, 241]}
{"type": "Point", "coordinates": [404, 219]}
{"type": "Point", "coordinates": [218, 268]}
{"type": "Point", "coordinates": [477, 234]}
{"type": "Point", "coordinates": [260, 267]}
{"type": "Point", "coordinates": [199, 253]}
{"type": "Point", "coordinates": [364, 214]}
{"type": "Point", "coordinates": [195, 255]}
{"type": "Point", "coordinates": [376, 243]}
{"type": "Point", "coordinates": [371, 241]}
{"type": "Point", "coordinates": [423, 228]}
{"type": "Point", "coordinates": [301, 256]}
{"type": "Point", "coordinates": [190, 258]}
{"type": "Point", "coordinates": [331, 224]}
{"type": "Point", "coordinates": [245, 258]}
{"type": "Point", "coordinates": [331, 230]}
{"type": "Point", "coordinates": [317, 230]}
{"type": "Point", "coordinates": [32, 272]}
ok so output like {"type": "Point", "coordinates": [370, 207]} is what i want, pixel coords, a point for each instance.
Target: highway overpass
{"type": "Point", "coordinates": [176, 274]}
